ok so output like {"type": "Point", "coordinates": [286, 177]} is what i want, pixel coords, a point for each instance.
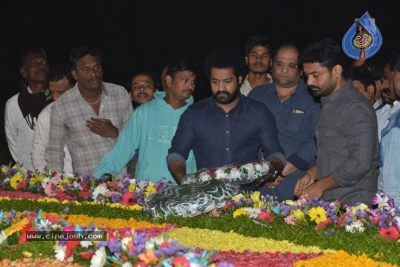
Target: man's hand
{"type": "Point", "coordinates": [278, 181]}
{"type": "Point", "coordinates": [302, 183]}
{"type": "Point", "coordinates": [313, 190]}
{"type": "Point", "coordinates": [102, 127]}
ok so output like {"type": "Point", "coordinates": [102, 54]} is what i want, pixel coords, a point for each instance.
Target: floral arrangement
{"type": "Point", "coordinates": [121, 247]}
{"type": "Point", "coordinates": [107, 189]}
{"type": "Point", "coordinates": [231, 173]}
{"type": "Point", "coordinates": [331, 216]}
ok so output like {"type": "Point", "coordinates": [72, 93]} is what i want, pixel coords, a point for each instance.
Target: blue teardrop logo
{"type": "Point", "coordinates": [363, 39]}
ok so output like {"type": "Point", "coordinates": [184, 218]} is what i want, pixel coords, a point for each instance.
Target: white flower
{"type": "Point", "coordinates": [60, 253]}
{"type": "Point", "coordinates": [6, 180]}
{"type": "Point", "coordinates": [150, 244]}
{"type": "Point", "coordinates": [76, 185]}
{"type": "Point", "coordinates": [220, 174]}
{"type": "Point", "coordinates": [85, 244]}
{"type": "Point", "coordinates": [355, 227]}
{"type": "Point", "coordinates": [204, 176]}
{"type": "Point", "coordinates": [252, 212]}
{"type": "Point", "coordinates": [127, 264]}
{"type": "Point", "coordinates": [44, 224]}
{"type": "Point", "coordinates": [262, 167]}
{"type": "Point", "coordinates": [234, 173]}
{"type": "Point", "coordinates": [3, 237]}
{"type": "Point", "coordinates": [101, 189]}
{"type": "Point", "coordinates": [125, 243]}
{"type": "Point", "coordinates": [45, 181]}
{"type": "Point", "coordinates": [99, 258]}
{"type": "Point", "coordinates": [143, 184]}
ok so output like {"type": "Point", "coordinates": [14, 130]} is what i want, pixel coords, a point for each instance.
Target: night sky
{"type": "Point", "coordinates": [147, 34]}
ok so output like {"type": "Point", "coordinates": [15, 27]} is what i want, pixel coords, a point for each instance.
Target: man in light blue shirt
{"type": "Point", "coordinates": [389, 150]}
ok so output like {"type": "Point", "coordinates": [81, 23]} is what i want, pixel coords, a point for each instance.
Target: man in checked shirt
{"type": "Point", "coordinates": [87, 118]}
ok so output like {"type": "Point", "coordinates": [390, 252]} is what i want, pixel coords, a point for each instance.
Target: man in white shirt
{"type": "Point", "coordinates": [258, 51]}
{"type": "Point", "coordinates": [60, 80]}
{"type": "Point", "coordinates": [22, 110]}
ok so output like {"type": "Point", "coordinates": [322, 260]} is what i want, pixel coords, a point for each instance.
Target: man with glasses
{"type": "Point", "coordinates": [296, 114]}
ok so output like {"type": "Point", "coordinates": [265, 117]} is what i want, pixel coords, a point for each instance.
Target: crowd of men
{"type": "Point", "coordinates": [327, 132]}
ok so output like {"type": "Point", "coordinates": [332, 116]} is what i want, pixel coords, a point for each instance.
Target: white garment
{"type": "Point", "coordinates": [41, 139]}
{"type": "Point", "coordinates": [19, 135]}
{"type": "Point", "coordinates": [245, 87]}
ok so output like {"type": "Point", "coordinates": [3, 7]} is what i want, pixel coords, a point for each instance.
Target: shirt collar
{"type": "Point", "coordinates": [338, 94]}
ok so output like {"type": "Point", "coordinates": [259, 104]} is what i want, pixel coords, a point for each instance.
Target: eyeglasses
{"type": "Point", "coordinates": [279, 64]}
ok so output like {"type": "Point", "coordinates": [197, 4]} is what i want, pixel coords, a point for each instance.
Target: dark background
{"type": "Point", "coordinates": [143, 34]}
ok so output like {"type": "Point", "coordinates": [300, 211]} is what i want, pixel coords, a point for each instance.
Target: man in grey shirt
{"type": "Point", "coordinates": [347, 137]}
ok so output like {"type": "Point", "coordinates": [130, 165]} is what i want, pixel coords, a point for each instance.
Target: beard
{"type": "Point", "coordinates": [326, 90]}
{"type": "Point", "coordinates": [226, 97]}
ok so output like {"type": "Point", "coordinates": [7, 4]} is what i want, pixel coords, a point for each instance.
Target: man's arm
{"type": "Point", "coordinates": [57, 137]}
{"type": "Point", "coordinates": [181, 144]}
{"type": "Point", "coordinates": [41, 139]}
{"type": "Point", "coordinates": [124, 149]}
{"type": "Point", "coordinates": [11, 133]}
{"type": "Point", "coordinates": [304, 157]}
{"type": "Point", "coordinates": [360, 131]}
{"type": "Point", "coordinates": [177, 169]}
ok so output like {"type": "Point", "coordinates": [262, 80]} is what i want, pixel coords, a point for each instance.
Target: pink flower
{"type": "Point", "coordinates": [22, 185]}
{"type": "Point", "coordinates": [389, 233]}
{"type": "Point", "coordinates": [181, 262]}
{"type": "Point", "coordinates": [290, 220]}
{"type": "Point", "coordinates": [215, 213]}
{"type": "Point", "coordinates": [323, 224]}
{"type": "Point", "coordinates": [228, 206]}
{"type": "Point", "coordinates": [53, 182]}
{"type": "Point", "coordinates": [265, 216]}
{"type": "Point", "coordinates": [128, 199]}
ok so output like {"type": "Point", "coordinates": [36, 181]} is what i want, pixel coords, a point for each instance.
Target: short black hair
{"type": "Point", "coordinates": [376, 68]}
{"type": "Point", "coordinates": [361, 74]}
{"type": "Point", "coordinates": [80, 52]}
{"type": "Point", "coordinates": [223, 58]}
{"type": "Point", "coordinates": [26, 54]}
{"type": "Point", "coordinates": [182, 64]}
{"type": "Point", "coordinates": [58, 72]}
{"type": "Point", "coordinates": [257, 41]}
{"type": "Point", "coordinates": [157, 85]}
{"type": "Point", "coordinates": [327, 52]}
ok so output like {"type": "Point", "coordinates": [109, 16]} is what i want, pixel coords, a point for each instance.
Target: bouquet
{"type": "Point", "coordinates": [231, 173]}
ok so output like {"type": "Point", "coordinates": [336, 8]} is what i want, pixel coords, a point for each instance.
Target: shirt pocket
{"type": "Point", "coordinates": [295, 122]}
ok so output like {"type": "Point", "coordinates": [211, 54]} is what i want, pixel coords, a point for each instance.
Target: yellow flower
{"type": "Point", "coordinates": [361, 207]}
{"type": "Point", "coordinates": [299, 215]}
{"type": "Point", "coordinates": [131, 188]}
{"type": "Point", "coordinates": [32, 180]}
{"type": "Point", "coordinates": [239, 212]}
{"type": "Point", "coordinates": [16, 227]}
{"type": "Point", "coordinates": [257, 203]}
{"type": "Point", "coordinates": [317, 214]}
{"type": "Point", "coordinates": [39, 178]}
{"type": "Point", "coordinates": [150, 189]}
{"type": "Point", "coordinates": [290, 202]}
{"type": "Point", "coordinates": [4, 169]}
{"type": "Point", "coordinates": [238, 197]}
{"type": "Point", "coordinates": [14, 181]}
